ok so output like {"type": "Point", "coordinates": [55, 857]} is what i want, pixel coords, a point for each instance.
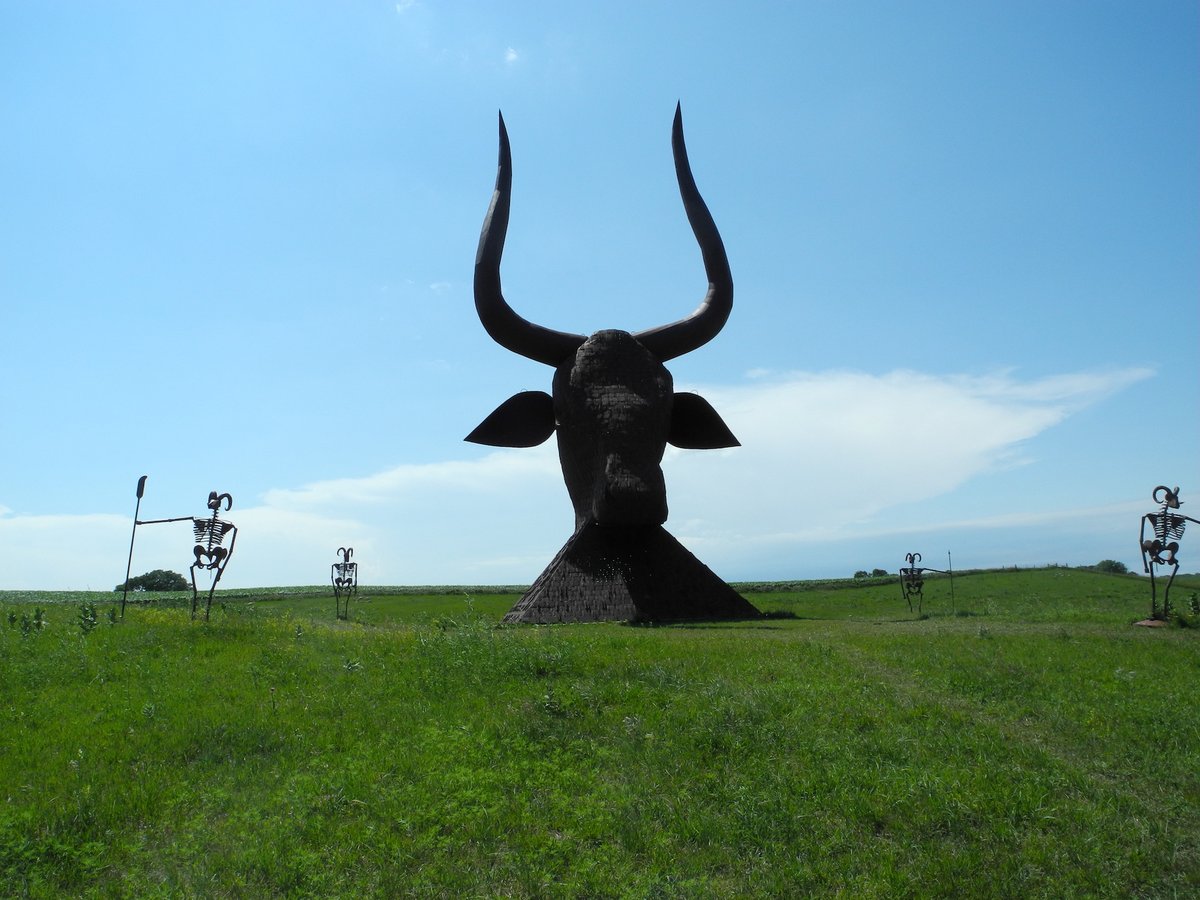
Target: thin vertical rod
{"type": "Point", "coordinates": [141, 489]}
{"type": "Point", "coordinates": [950, 567]}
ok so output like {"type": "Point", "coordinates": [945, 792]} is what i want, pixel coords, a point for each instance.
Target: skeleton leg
{"type": "Point", "coordinates": [222, 558]}
{"type": "Point", "coordinates": [194, 592]}
{"type": "Point", "coordinates": [1167, 590]}
{"type": "Point", "coordinates": [906, 586]}
{"type": "Point", "coordinates": [212, 587]}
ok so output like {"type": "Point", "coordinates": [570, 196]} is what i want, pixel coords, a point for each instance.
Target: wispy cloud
{"type": "Point", "coordinates": [825, 456]}
{"type": "Point", "coordinates": [839, 448]}
{"type": "Point", "coordinates": [511, 56]}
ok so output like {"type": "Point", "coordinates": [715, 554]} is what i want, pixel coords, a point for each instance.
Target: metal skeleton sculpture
{"type": "Point", "coordinates": [1162, 549]}
{"type": "Point", "coordinates": [614, 410]}
{"type": "Point", "coordinates": [912, 580]}
{"type": "Point", "coordinates": [209, 553]}
{"type": "Point", "coordinates": [344, 576]}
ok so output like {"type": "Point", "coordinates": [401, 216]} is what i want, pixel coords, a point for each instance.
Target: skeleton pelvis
{"type": "Point", "coordinates": [209, 559]}
{"type": "Point", "coordinates": [1161, 552]}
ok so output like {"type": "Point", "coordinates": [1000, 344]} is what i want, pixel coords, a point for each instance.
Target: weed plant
{"type": "Point", "coordinates": [1038, 745]}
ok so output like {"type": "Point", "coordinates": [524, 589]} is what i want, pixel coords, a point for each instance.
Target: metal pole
{"type": "Point", "coordinates": [950, 567]}
{"type": "Point", "coordinates": [141, 489]}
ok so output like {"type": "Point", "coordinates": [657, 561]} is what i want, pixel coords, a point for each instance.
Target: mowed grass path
{"type": "Point", "coordinates": [1028, 741]}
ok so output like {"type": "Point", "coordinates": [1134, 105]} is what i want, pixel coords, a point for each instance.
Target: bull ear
{"type": "Point", "coordinates": [695, 425]}
{"type": "Point", "coordinates": [523, 420]}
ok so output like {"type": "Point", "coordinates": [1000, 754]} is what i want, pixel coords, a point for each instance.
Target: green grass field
{"type": "Point", "coordinates": [1024, 740]}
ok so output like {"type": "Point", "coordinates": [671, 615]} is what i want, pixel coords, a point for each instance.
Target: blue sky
{"type": "Point", "coordinates": [238, 243]}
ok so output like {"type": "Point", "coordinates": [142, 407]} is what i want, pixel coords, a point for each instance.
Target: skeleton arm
{"type": "Point", "coordinates": [232, 541]}
{"type": "Point", "coordinates": [1145, 544]}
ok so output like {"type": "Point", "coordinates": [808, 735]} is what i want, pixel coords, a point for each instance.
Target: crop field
{"type": "Point", "coordinates": [1022, 738]}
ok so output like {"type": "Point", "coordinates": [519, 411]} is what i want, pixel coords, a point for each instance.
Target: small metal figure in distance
{"type": "Point", "coordinates": [344, 576]}
{"type": "Point", "coordinates": [1162, 548]}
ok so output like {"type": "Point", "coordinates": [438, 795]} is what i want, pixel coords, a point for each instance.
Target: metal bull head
{"type": "Point", "coordinates": [614, 410]}
{"type": "Point", "coordinates": [613, 407]}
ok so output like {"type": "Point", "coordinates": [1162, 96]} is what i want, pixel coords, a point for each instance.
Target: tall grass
{"type": "Point", "coordinates": [1035, 745]}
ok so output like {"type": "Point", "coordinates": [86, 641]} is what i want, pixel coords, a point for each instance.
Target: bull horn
{"type": "Point", "coordinates": [668, 341]}
{"type": "Point", "coordinates": [507, 328]}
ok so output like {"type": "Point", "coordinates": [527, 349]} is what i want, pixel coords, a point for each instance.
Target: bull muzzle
{"type": "Point", "coordinates": [629, 495]}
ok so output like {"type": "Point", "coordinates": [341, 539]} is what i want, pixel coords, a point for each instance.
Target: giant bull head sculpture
{"type": "Point", "coordinates": [613, 406]}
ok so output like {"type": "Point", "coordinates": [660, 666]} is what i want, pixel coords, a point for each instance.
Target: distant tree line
{"type": "Point", "coordinates": [158, 580]}
{"type": "Point", "coordinates": [1111, 566]}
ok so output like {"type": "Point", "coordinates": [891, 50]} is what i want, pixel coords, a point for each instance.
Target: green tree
{"type": "Point", "coordinates": [1112, 567]}
{"type": "Point", "coordinates": [158, 580]}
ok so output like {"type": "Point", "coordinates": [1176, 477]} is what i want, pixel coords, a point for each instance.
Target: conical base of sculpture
{"type": "Point", "coordinates": [628, 575]}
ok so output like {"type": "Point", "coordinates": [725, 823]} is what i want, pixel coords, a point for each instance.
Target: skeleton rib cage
{"type": "Point", "coordinates": [345, 573]}
{"type": "Point", "coordinates": [210, 533]}
{"type": "Point", "coordinates": [1167, 526]}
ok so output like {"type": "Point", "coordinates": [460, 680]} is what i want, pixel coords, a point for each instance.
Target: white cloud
{"type": "Point", "coordinates": [825, 456]}
{"type": "Point", "coordinates": [838, 449]}
{"type": "Point", "coordinates": [1080, 519]}
{"type": "Point", "coordinates": [63, 552]}
{"type": "Point", "coordinates": [500, 470]}
{"type": "Point", "coordinates": [404, 6]}
{"type": "Point", "coordinates": [511, 56]}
